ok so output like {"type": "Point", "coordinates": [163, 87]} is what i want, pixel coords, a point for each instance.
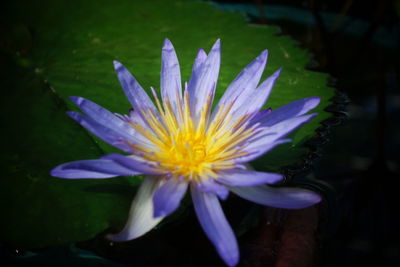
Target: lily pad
{"type": "Point", "coordinates": [55, 49]}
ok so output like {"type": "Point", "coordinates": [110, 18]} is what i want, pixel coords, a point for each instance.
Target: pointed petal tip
{"type": "Point", "coordinates": [217, 45]}
{"type": "Point", "coordinates": [314, 101]}
{"type": "Point", "coordinates": [117, 64]}
{"type": "Point", "coordinates": [125, 236]}
{"type": "Point", "coordinates": [116, 238]}
{"type": "Point", "coordinates": [262, 58]}
{"type": "Point", "coordinates": [232, 260]}
{"type": "Point", "coordinates": [73, 98]}
{"type": "Point", "coordinates": [264, 54]}
{"type": "Point", "coordinates": [167, 44]}
{"type": "Point", "coordinates": [310, 116]}
{"type": "Point", "coordinates": [311, 197]}
{"type": "Point", "coordinates": [279, 197]}
{"type": "Point", "coordinates": [274, 77]}
{"type": "Point", "coordinates": [77, 100]}
{"type": "Point", "coordinates": [59, 172]}
{"type": "Point", "coordinates": [201, 53]}
{"type": "Point", "coordinates": [55, 172]}
{"type": "Point", "coordinates": [316, 197]}
{"type": "Point", "coordinates": [73, 114]}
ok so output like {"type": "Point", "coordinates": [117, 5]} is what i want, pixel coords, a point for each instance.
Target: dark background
{"type": "Point", "coordinates": [360, 160]}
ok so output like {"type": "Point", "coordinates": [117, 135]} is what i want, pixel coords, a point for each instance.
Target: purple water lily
{"type": "Point", "coordinates": [180, 142]}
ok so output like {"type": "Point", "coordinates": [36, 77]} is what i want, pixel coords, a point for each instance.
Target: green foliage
{"type": "Point", "coordinates": [54, 49]}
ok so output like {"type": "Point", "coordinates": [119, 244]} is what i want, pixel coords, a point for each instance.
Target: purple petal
{"type": "Point", "coordinates": [209, 185]}
{"type": "Point", "coordinates": [270, 137]}
{"type": "Point", "coordinates": [171, 87]}
{"type": "Point", "coordinates": [168, 197]}
{"type": "Point", "coordinates": [134, 92]}
{"type": "Point", "coordinates": [293, 109]}
{"type": "Point", "coordinates": [279, 130]}
{"type": "Point", "coordinates": [198, 63]}
{"type": "Point", "coordinates": [245, 83]}
{"type": "Point", "coordinates": [132, 163]}
{"type": "Point", "coordinates": [115, 138]}
{"type": "Point", "coordinates": [278, 197]}
{"type": "Point", "coordinates": [123, 117]}
{"type": "Point", "coordinates": [239, 177]}
{"type": "Point", "coordinates": [140, 219]}
{"type": "Point", "coordinates": [109, 120]}
{"type": "Point", "coordinates": [204, 86]}
{"type": "Point", "coordinates": [101, 115]}
{"type": "Point", "coordinates": [94, 168]}
{"type": "Point", "coordinates": [258, 98]}
{"type": "Point", "coordinates": [135, 117]}
{"type": "Point", "coordinates": [255, 151]}
{"type": "Point", "coordinates": [215, 225]}
{"type": "Point", "coordinates": [260, 114]}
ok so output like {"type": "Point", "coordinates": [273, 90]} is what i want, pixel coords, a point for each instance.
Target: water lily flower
{"type": "Point", "coordinates": [180, 143]}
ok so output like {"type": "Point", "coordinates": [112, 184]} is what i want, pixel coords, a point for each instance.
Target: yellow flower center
{"type": "Point", "coordinates": [189, 151]}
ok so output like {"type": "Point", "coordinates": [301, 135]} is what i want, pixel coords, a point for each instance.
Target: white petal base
{"type": "Point", "coordinates": [141, 218]}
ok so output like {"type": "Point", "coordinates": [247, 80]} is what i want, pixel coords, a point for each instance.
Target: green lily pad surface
{"type": "Point", "coordinates": [55, 49]}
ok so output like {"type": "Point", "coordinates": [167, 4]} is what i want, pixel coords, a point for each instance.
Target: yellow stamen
{"type": "Point", "coordinates": [189, 151]}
